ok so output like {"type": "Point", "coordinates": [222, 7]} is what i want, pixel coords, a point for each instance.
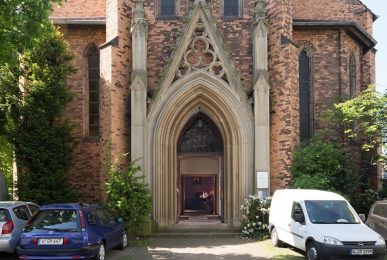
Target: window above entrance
{"type": "Point", "coordinates": [200, 136]}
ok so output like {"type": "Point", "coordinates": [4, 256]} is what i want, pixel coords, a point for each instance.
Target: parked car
{"type": "Point", "coordinates": [13, 217]}
{"type": "Point", "coordinates": [323, 224]}
{"type": "Point", "coordinates": [377, 218]}
{"type": "Point", "coordinates": [71, 231]}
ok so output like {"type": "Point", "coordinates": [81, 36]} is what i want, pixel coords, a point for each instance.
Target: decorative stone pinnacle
{"type": "Point", "coordinates": [203, 2]}
{"type": "Point", "coordinates": [139, 9]}
{"type": "Point", "coordinates": [259, 10]}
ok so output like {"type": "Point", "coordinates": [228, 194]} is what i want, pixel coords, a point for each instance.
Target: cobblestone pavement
{"type": "Point", "coordinates": [195, 248]}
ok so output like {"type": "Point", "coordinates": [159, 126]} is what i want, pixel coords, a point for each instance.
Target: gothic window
{"type": "Point", "coordinates": [93, 90]}
{"type": "Point", "coordinates": [352, 76]}
{"type": "Point", "coordinates": [167, 8]}
{"type": "Point", "coordinates": [200, 136]}
{"type": "Point", "coordinates": [305, 95]}
{"type": "Point", "coordinates": [232, 8]}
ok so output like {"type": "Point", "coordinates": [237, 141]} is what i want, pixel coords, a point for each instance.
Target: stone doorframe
{"type": "Point", "coordinates": [199, 92]}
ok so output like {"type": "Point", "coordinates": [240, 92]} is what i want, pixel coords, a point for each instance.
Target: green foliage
{"type": "Point", "coordinates": [127, 193]}
{"type": "Point", "coordinates": [364, 117]}
{"type": "Point", "coordinates": [6, 161]}
{"type": "Point", "coordinates": [363, 201]}
{"type": "Point", "coordinates": [255, 218]}
{"type": "Point", "coordinates": [324, 166]}
{"type": "Point", "coordinates": [33, 107]}
{"type": "Point", "coordinates": [21, 23]}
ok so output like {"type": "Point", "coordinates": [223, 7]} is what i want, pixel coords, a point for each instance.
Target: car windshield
{"type": "Point", "coordinates": [61, 220]}
{"type": "Point", "coordinates": [330, 212]}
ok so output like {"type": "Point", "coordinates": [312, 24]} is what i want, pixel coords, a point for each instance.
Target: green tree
{"type": "Point", "coordinates": [21, 23]}
{"type": "Point", "coordinates": [321, 165]}
{"type": "Point", "coordinates": [36, 94]}
{"type": "Point", "coordinates": [364, 118]}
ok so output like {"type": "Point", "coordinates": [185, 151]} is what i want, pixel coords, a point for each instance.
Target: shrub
{"type": "Point", "coordinates": [256, 217]}
{"type": "Point", "coordinates": [127, 193]}
{"type": "Point", "coordinates": [324, 166]}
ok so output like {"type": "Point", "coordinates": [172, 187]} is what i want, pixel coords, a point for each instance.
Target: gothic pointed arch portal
{"type": "Point", "coordinates": [197, 93]}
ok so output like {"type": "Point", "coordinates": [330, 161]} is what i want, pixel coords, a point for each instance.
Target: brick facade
{"type": "Point", "coordinates": [330, 48]}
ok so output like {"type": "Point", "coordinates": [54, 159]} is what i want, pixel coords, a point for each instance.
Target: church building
{"type": "Point", "coordinates": [210, 97]}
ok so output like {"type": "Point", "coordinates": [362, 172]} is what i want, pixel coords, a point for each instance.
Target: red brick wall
{"type": "Point", "coordinates": [350, 10]}
{"type": "Point", "coordinates": [79, 8]}
{"type": "Point", "coordinates": [115, 75]}
{"type": "Point", "coordinates": [283, 66]}
{"type": "Point", "coordinates": [331, 50]}
{"type": "Point", "coordinates": [85, 172]}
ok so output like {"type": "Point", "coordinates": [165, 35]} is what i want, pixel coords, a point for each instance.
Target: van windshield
{"type": "Point", "coordinates": [330, 212]}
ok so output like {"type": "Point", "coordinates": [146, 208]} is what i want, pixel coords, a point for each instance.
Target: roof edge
{"type": "Point", "coordinates": [354, 29]}
{"type": "Point", "coordinates": [79, 20]}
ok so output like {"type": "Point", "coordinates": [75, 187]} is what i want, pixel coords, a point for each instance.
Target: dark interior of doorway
{"type": "Point", "coordinates": [199, 202]}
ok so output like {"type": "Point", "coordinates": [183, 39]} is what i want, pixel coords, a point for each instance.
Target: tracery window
{"type": "Point", "coordinates": [352, 76]}
{"type": "Point", "coordinates": [306, 101]}
{"type": "Point", "coordinates": [93, 90]}
{"type": "Point", "coordinates": [200, 136]}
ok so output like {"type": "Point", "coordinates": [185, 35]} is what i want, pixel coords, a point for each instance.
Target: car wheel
{"type": "Point", "coordinates": [312, 251]}
{"type": "Point", "coordinates": [274, 238]}
{"type": "Point", "coordinates": [101, 253]}
{"type": "Point", "coordinates": [124, 242]}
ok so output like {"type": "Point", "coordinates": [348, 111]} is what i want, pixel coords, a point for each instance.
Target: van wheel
{"type": "Point", "coordinates": [274, 238]}
{"type": "Point", "coordinates": [101, 252]}
{"type": "Point", "coordinates": [312, 252]}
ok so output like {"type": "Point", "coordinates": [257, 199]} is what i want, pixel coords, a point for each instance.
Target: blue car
{"type": "Point", "coordinates": [71, 231]}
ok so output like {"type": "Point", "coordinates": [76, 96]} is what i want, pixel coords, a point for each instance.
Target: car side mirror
{"type": "Point", "coordinates": [362, 217]}
{"type": "Point", "coordinates": [299, 217]}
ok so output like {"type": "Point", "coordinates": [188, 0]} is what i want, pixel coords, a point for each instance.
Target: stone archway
{"type": "Point", "coordinates": [233, 118]}
{"type": "Point", "coordinates": [200, 171]}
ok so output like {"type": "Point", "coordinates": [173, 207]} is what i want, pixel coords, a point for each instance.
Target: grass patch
{"type": "Point", "coordinates": [280, 253]}
{"type": "Point", "coordinates": [141, 242]}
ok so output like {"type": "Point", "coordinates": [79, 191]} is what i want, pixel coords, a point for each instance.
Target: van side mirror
{"type": "Point", "coordinates": [299, 217]}
{"type": "Point", "coordinates": [362, 217]}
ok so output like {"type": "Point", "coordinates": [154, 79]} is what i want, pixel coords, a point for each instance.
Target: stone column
{"type": "Point", "coordinates": [139, 85]}
{"type": "Point", "coordinates": [261, 101]}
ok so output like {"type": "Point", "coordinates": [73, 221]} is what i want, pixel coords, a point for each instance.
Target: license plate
{"type": "Point", "coordinates": [362, 252]}
{"type": "Point", "coordinates": [50, 241]}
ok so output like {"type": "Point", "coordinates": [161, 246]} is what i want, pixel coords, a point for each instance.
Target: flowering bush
{"type": "Point", "coordinates": [255, 218]}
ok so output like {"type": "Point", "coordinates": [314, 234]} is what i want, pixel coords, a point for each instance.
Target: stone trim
{"type": "Point", "coordinates": [79, 21]}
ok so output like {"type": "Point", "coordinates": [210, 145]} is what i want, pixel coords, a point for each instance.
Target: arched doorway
{"type": "Point", "coordinates": [200, 157]}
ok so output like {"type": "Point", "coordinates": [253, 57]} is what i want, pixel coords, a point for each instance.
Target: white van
{"type": "Point", "coordinates": [323, 224]}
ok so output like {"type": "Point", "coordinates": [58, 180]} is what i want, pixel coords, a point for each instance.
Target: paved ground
{"type": "Point", "coordinates": [195, 248]}
{"type": "Point", "coordinates": [207, 248]}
